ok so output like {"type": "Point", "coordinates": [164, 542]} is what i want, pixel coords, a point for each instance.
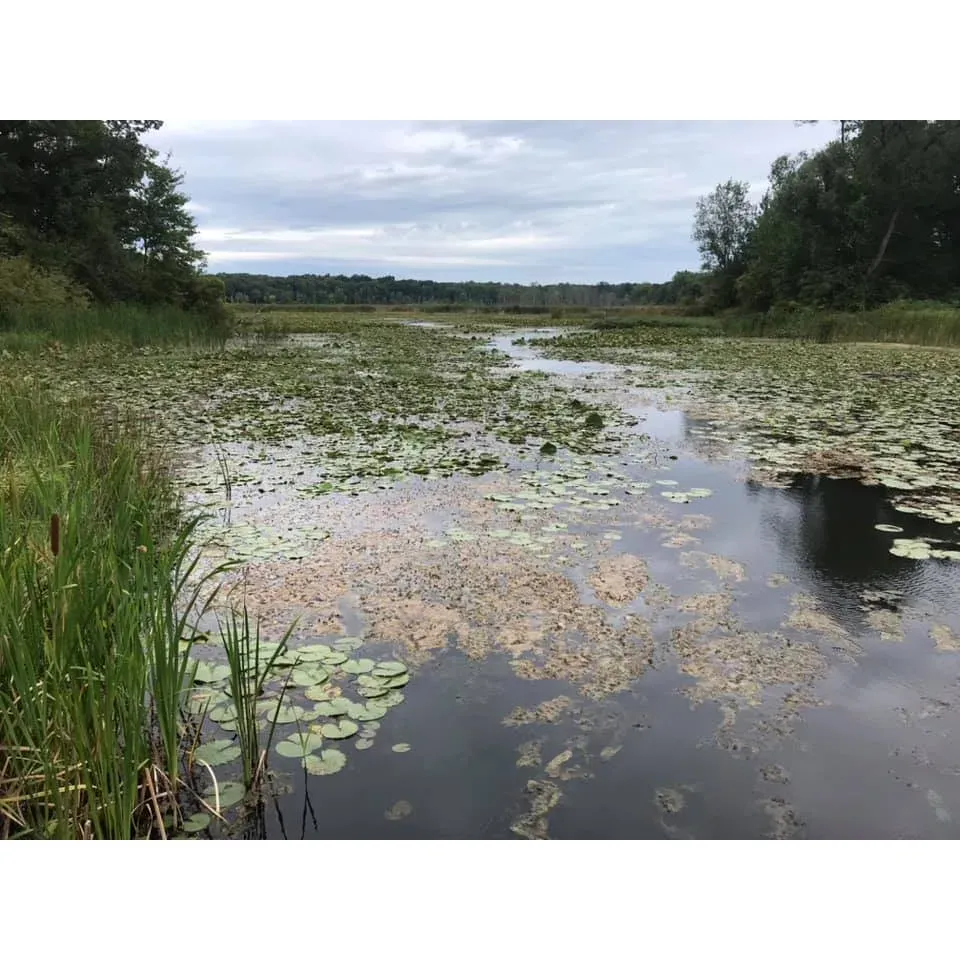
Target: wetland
{"type": "Point", "coordinates": [562, 583]}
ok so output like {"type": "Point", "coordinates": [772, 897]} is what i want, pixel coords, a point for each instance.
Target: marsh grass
{"type": "Point", "coordinates": [923, 323]}
{"type": "Point", "coordinates": [27, 327]}
{"type": "Point", "coordinates": [94, 625]}
{"type": "Point", "coordinates": [250, 669]}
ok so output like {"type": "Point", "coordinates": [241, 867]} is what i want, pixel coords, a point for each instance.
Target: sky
{"type": "Point", "coordinates": [522, 202]}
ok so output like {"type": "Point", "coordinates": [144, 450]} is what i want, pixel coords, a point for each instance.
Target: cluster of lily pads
{"type": "Point", "coordinates": [884, 415]}
{"type": "Point", "coordinates": [306, 691]}
{"type": "Point", "coordinates": [352, 408]}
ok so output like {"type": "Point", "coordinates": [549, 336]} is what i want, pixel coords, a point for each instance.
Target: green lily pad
{"type": "Point", "coordinates": [323, 691]}
{"type": "Point", "coordinates": [231, 793]}
{"type": "Point", "coordinates": [332, 708]}
{"type": "Point", "coordinates": [299, 745]}
{"type": "Point", "coordinates": [289, 713]}
{"type": "Point", "coordinates": [397, 682]}
{"type": "Point", "coordinates": [223, 713]}
{"type": "Point", "coordinates": [888, 527]}
{"type": "Point", "coordinates": [347, 643]}
{"type": "Point", "coordinates": [312, 653]}
{"type": "Point", "coordinates": [340, 730]}
{"type": "Point", "coordinates": [401, 748]}
{"type": "Point", "coordinates": [217, 752]}
{"type": "Point", "coordinates": [310, 676]}
{"type": "Point", "coordinates": [196, 823]}
{"type": "Point", "coordinates": [211, 672]}
{"type": "Point", "coordinates": [364, 743]}
{"type": "Point", "coordinates": [373, 691]}
{"type": "Point", "coordinates": [334, 658]}
{"type": "Point", "coordinates": [366, 711]}
{"type": "Point", "coordinates": [393, 698]}
{"type": "Point", "coordinates": [327, 762]}
{"type": "Point", "coordinates": [389, 668]}
{"type": "Point", "coordinates": [357, 666]}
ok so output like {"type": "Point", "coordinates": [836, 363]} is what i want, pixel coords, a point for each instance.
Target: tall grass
{"type": "Point", "coordinates": [250, 667]}
{"type": "Point", "coordinates": [925, 323]}
{"type": "Point", "coordinates": [27, 326]}
{"type": "Point", "coordinates": [94, 569]}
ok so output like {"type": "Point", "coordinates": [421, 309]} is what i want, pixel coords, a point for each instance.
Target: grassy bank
{"type": "Point", "coordinates": [97, 596]}
{"type": "Point", "coordinates": [23, 328]}
{"type": "Point", "coordinates": [920, 323]}
{"type": "Point", "coordinates": [93, 616]}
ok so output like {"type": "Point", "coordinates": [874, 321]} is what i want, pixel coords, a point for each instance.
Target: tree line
{"type": "Point", "coordinates": [89, 212]}
{"type": "Point", "coordinates": [684, 288]}
{"type": "Point", "coordinates": [872, 217]}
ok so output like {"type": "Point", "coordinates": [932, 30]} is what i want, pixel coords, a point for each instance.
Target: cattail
{"type": "Point", "coordinates": [55, 534]}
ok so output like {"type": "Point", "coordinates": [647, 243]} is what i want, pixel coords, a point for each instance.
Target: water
{"type": "Point", "coordinates": [857, 736]}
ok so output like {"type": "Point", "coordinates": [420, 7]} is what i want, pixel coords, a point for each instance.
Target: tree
{"type": "Point", "coordinates": [90, 199]}
{"type": "Point", "coordinates": [722, 227]}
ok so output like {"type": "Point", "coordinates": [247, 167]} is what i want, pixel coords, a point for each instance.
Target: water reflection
{"type": "Point", "coordinates": [828, 529]}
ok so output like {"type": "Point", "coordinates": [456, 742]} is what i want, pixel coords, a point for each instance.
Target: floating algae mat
{"type": "Point", "coordinates": [517, 615]}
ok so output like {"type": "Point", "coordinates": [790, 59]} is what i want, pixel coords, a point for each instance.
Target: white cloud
{"type": "Point", "coordinates": [542, 201]}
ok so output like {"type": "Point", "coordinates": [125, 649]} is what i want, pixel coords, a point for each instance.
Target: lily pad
{"type": "Point", "coordinates": [397, 682]}
{"type": "Point", "coordinates": [323, 691]}
{"type": "Point", "coordinates": [224, 712]}
{"type": "Point", "coordinates": [299, 745]}
{"type": "Point", "coordinates": [358, 666]}
{"type": "Point", "coordinates": [366, 711]}
{"type": "Point", "coordinates": [310, 676]}
{"type": "Point", "coordinates": [401, 748]}
{"type": "Point", "coordinates": [364, 743]}
{"type": "Point", "coordinates": [369, 680]}
{"type": "Point", "coordinates": [389, 668]}
{"type": "Point", "coordinates": [312, 653]}
{"type": "Point", "coordinates": [393, 698]}
{"type": "Point", "coordinates": [332, 708]}
{"type": "Point", "coordinates": [334, 658]}
{"type": "Point", "coordinates": [289, 713]}
{"type": "Point", "coordinates": [230, 793]}
{"type": "Point", "coordinates": [211, 672]}
{"type": "Point", "coordinates": [888, 528]}
{"type": "Point", "coordinates": [217, 752]}
{"type": "Point", "coordinates": [347, 644]}
{"type": "Point", "coordinates": [911, 549]}
{"type": "Point", "coordinates": [196, 823]}
{"type": "Point", "coordinates": [340, 730]}
{"type": "Point", "coordinates": [328, 761]}
{"type": "Point", "coordinates": [401, 809]}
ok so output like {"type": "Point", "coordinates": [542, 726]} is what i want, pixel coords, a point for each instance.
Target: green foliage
{"type": "Point", "coordinates": [22, 284]}
{"type": "Point", "coordinates": [33, 325]}
{"type": "Point", "coordinates": [75, 700]}
{"type": "Point", "coordinates": [89, 201]}
{"type": "Point", "coordinates": [358, 293]}
{"type": "Point", "coordinates": [873, 217]}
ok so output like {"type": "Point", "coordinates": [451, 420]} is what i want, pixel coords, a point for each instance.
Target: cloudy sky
{"type": "Point", "coordinates": [525, 202]}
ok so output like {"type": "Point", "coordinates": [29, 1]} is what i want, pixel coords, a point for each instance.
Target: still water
{"type": "Point", "coordinates": [825, 708]}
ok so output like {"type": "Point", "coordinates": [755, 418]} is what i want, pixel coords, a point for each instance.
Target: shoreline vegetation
{"type": "Point", "coordinates": [919, 323]}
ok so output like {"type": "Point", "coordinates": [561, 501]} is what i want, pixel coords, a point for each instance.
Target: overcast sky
{"type": "Point", "coordinates": [525, 202]}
